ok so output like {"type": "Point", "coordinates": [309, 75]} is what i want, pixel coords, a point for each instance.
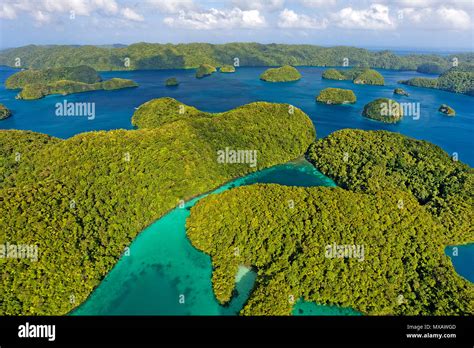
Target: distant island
{"type": "Point", "coordinates": [457, 79]}
{"type": "Point", "coordinates": [356, 75]}
{"type": "Point", "coordinates": [285, 73]}
{"type": "Point", "coordinates": [400, 91]}
{"type": "Point", "coordinates": [143, 56]}
{"type": "Point", "coordinates": [383, 110]}
{"type": "Point", "coordinates": [227, 69]}
{"type": "Point", "coordinates": [205, 70]}
{"type": "Point", "coordinates": [171, 82]}
{"type": "Point", "coordinates": [336, 96]}
{"type": "Point", "coordinates": [4, 112]}
{"type": "Point", "coordinates": [447, 110]}
{"type": "Point", "coordinates": [36, 84]}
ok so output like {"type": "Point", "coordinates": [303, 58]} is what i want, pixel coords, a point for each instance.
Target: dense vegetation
{"type": "Point", "coordinates": [157, 112]}
{"type": "Point", "coordinates": [283, 74]}
{"type": "Point", "coordinates": [378, 161]}
{"type": "Point", "coordinates": [205, 70]}
{"type": "Point", "coordinates": [402, 199]}
{"type": "Point", "coordinates": [169, 56]}
{"type": "Point", "coordinates": [82, 200]}
{"type": "Point", "coordinates": [458, 80]}
{"type": "Point", "coordinates": [383, 110]}
{"type": "Point", "coordinates": [433, 68]}
{"type": "Point", "coordinates": [400, 91]}
{"type": "Point", "coordinates": [358, 76]}
{"type": "Point", "coordinates": [403, 271]}
{"type": "Point", "coordinates": [336, 96]}
{"type": "Point", "coordinates": [227, 69]}
{"type": "Point", "coordinates": [171, 82]}
{"type": "Point", "coordinates": [36, 84]}
{"type": "Point", "coordinates": [447, 110]}
{"type": "Point", "coordinates": [64, 87]}
{"type": "Point", "coordinates": [4, 112]}
{"type": "Point", "coordinates": [80, 73]}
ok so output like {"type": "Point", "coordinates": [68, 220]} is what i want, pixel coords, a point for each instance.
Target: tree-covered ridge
{"type": "Point", "coordinates": [205, 70]}
{"type": "Point", "coordinates": [4, 112]}
{"type": "Point", "coordinates": [157, 112]}
{"type": "Point", "coordinates": [458, 80]}
{"type": "Point", "coordinates": [383, 110]}
{"type": "Point", "coordinates": [377, 161]}
{"type": "Point", "coordinates": [283, 74]}
{"type": "Point", "coordinates": [336, 96]}
{"type": "Point", "coordinates": [170, 56]}
{"type": "Point", "coordinates": [80, 73]}
{"type": "Point", "coordinates": [65, 87]}
{"type": "Point", "coordinates": [82, 200]}
{"type": "Point", "coordinates": [433, 68]}
{"type": "Point", "coordinates": [402, 271]}
{"type": "Point", "coordinates": [356, 75]}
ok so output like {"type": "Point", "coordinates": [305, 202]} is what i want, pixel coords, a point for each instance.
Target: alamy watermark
{"type": "Point", "coordinates": [349, 251]}
{"type": "Point", "coordinates": [19, 251]}
{"type": "Point", "coordinates": [400, 109]}
{"type": "Point", "coordinates": [79, 109]}
{"type": "Point", "coordinates": [230, 156]}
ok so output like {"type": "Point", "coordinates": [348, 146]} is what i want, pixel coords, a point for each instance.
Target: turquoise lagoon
{"type": "Point", "coordinates": [162, 265]}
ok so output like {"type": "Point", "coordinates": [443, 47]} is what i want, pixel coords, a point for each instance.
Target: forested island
{"type": "Point", "coordinates": [383, 110]}
{"type": "Point", "coordinates": [83, 200]}
{"type": "Point", "coordinates": [336, 96]}
{"type": "Point", "coordinates": [227, 69]}
{"type": "Point", "coordinates": [171, 82]}
{"type": "Point", "coordinates": [457, 79]}
{"type": "Point", "coordinates": [447, 110]}
{"type": "Point", "coordinates": [400, 91]}
{"type": "Point", "coordinates": [205, 70]}
{"type": "Point", "coordinates": [285, 73]}
{"type": "Point", "coordinates": [381, 160]}
{"type": "Point", "coordinates": [412, 201]}
{"type": "Point", "coordinates": [357, 76]}
{"type": "Point", "coordinates": [177, 56]}
{"type": "Point", "coordinates": [36, 84]}
{"type": "Point", "coordinates": [4, 112]}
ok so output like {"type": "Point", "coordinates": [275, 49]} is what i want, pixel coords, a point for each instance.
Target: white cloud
{"type": "Point", "coordinates": [442, 18]}
{"type": "Point", "coordinates": [7, 12]}
{"type": "Point", "coordinates": [44, 11]}
{"type": "Point", "coordinates": [290, 19]}
{"type": "Point", "coordinates": [217, 19]}
{"type": "Point", "coordinates": [377, 17]}
{"type": "Point", "coordinates": [131, 15]}
{"type": "Point", "coordinates": [172, 6]}
{"type": "Point", "coordinates": [318, 3]}
{"type": "Point", "coordinates": [260, 5]}
{"type": "Point", "coordinates": [41, 17]}
{"type": "Point", "coordinates": [427, 4]}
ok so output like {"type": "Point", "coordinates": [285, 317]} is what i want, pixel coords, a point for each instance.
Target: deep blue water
{"type": "Point", "coordinates": [221, 92]}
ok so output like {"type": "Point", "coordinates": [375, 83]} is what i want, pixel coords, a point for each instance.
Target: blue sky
{"type": "Point", "coordinates": [418, 24]}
